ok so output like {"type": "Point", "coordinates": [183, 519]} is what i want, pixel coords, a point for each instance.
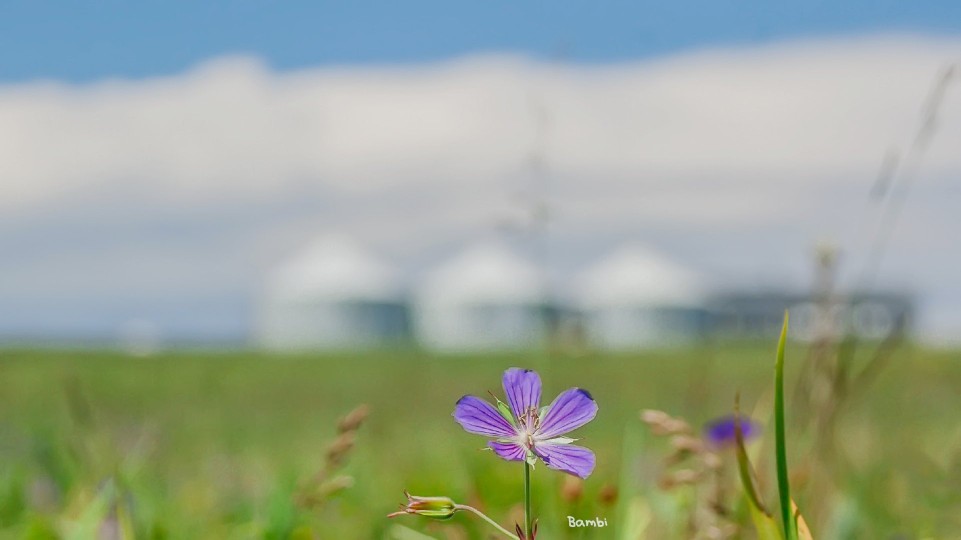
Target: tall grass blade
{"type": "Point", "coordinates": [783, 485]}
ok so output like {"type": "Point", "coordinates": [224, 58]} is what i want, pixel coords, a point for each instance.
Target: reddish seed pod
{"type": "Point", "coordinates": [572, 489]}
{"type": "Point", "coordinates": [608, 495]}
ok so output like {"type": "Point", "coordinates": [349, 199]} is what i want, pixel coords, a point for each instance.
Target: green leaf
{"type": "Point", "coordinates": [506, 412]}
{"type": "Point", "coordinates": [765, 524]}
{"type": "Point", "coordinates": [92, 515]}
{"type": "Point", "coordinates": [783, 485]}
{"type": "Point", "coordinates": [562, 440]}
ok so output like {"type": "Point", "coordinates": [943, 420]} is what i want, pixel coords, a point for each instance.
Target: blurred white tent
{"type": "Point", "coordinates": [636, 298]}
{"type": "Point", "coordinates": [332, 295]}
{"type": "Point", "coordinates": [486, 298]}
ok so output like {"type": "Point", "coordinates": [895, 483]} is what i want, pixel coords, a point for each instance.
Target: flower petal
{"type": "Point", "coordinates": [508, 450]}
{"type": "Point", "coordinates": [478, 416]}
{"type": "Point", "coordinates": [523, 390]}
{"type": "Point", "coordinates": [568, 458]}
{"type": "Point", "coordinates": [571, 410]}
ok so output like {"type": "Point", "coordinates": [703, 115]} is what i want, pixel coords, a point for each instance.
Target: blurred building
{"type": "Point", "coordinates": [636, 298]}
{"type": "Point", "coordinates": [337, 295]}
{"type": "Point", "coordinates": [759, 314]}
{"type": "Point", "coordinates": [486, 298]}
{"type": "Point", "coordinates": [333, 295]}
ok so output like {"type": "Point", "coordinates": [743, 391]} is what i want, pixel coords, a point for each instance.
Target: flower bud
{"type": "Point", "coordinates": [432, 507]}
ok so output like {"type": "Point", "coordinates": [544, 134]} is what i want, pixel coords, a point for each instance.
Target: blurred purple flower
{"type": "Point", "coordinates": [524, 431]}
{"type": "Point", "coordinates": [721, 431]}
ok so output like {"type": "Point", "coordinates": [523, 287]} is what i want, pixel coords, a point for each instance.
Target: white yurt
{"type": "Point", "coordinates": [486, 298]}
{"type": "Point", "coordinates": [636, 298]}
{"type": "Point", "coordinates": [332, 295]}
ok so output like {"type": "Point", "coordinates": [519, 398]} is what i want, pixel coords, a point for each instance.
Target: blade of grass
{"type": "Point", "coordinates": [743, 462]}
{"type": "Point", "coordinates": [633, 511]}
{"type": "Point", "coordinates": [784, 489]}
{"type": "Point", "coordinates": [399, 532]}
{"type": "Point", "coordinates": [764, 523]}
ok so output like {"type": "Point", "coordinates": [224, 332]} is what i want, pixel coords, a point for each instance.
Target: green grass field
{"type": "Point", "coordinates": [221, 445]}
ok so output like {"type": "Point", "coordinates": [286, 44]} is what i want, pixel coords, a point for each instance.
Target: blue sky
{"type": "Point", "coordinates": [84, 41]}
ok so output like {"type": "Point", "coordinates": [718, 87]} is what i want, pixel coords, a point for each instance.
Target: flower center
{"type": "Point", "coordinates": [528, 424]}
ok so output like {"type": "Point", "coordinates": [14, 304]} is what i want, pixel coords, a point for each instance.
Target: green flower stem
{"type": "Point", "coordinates": [493, 523]}
{"type": "Point", "coordinates": [527, 499]}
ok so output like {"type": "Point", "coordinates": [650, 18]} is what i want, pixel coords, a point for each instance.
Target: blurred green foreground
{"type": "Point", "coordinates": [225, 445]}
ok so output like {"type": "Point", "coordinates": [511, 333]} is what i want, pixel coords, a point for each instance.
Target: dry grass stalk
{"type": "Point", "coordinates": [327, 483]}
{"type": "Point", "coordinates": [693, 464]}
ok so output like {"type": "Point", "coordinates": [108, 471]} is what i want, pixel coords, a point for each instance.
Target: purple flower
{"type": "Point", "coordinates": [720, 431]}
{"type": "Point", "coordinates": [524, 431]}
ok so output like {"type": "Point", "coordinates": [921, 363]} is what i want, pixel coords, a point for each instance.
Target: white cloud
{"type": "Point", "coordinates": [707, 153]}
